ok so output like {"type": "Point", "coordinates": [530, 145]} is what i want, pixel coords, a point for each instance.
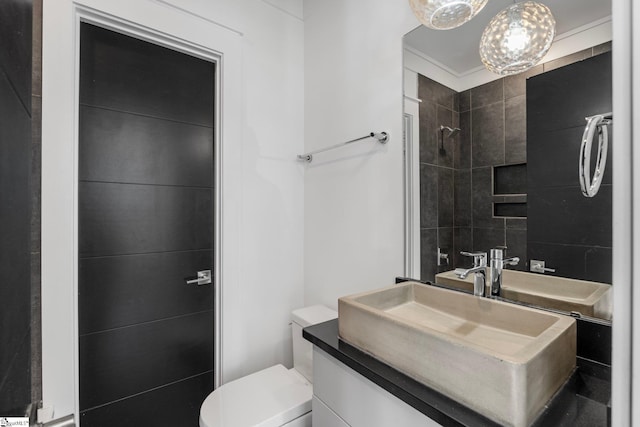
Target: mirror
{"type": "Point", "coordinates": [493, 162]}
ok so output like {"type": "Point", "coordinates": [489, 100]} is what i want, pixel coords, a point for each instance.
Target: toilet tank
{"type": "Point", "coordinates": [303, 349]}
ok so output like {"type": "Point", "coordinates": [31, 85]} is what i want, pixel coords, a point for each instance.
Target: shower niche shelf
{"type": "Point", "coordinates": [510, 191]}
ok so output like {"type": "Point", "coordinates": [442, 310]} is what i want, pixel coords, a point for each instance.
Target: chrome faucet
{"type": "Point", "coordinates": [479, 270]}
{"type": "Point", "coordinates": [496, 265]}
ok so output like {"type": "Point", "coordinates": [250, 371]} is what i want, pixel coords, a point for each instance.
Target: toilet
{"type": "Point", "coordinates": [275, 396]}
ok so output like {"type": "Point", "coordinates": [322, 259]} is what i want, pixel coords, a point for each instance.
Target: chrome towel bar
{"type": "Point", "coordinates": [381, 137]}
{"type": "Point", "coordinates": [598, 123]}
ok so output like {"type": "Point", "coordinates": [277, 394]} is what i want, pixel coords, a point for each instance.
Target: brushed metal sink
{"type": "Point", "coordinates": [502, 360]}
{"type": "Point", "coordinates": [582, 296]}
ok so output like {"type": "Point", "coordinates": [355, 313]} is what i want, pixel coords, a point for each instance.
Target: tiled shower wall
{"type": "Point", "coordinates": [570, 232]}
{"type": "Point", "coordinates": [456, 208]}
{"type": "Point", "coordinates": [456, 174]}
{"type": "Point", "coordinates": [438, 167]}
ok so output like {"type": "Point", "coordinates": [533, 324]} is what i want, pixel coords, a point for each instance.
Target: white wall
{"type": "Point", "coordinates": [353, 219]}
{"type": "Point", "coordinates": [261, 42]}
{"type": "Point", "coordinates": [258, 303]}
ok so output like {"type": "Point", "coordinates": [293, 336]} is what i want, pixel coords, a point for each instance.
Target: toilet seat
{"type": "Point", "coordinates": [268, 398]}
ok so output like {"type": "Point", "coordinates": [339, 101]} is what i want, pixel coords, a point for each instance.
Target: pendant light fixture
{"type": "Point", "coordinates": [445, 14]}
{"type": "Point", "coordinates": [517, 38]}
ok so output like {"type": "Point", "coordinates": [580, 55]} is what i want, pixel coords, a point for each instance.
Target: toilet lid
{"type": "Point", "coordinates": [269, 398]}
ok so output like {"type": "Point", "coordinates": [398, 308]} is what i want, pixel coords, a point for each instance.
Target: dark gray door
{"type": "Point", "coordinates": [146, 213]}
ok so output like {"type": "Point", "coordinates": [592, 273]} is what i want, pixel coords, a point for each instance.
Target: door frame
{"type": "Point", "coordinates": [60, 364]}
{"type": "Point", "coordinates": [411, 166]}
{"type": "Point", "coordinates": [91, 16]}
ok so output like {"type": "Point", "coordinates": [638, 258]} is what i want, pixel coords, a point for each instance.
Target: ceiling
{"type": "Point", "coordinates": [457, 49]}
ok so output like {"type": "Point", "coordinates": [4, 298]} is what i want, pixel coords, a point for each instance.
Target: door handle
{"type": "Point", "coordinates": [203, 278]}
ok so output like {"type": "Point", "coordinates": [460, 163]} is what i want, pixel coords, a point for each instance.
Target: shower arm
{"type": "Point", "coordinates": [452, 132]}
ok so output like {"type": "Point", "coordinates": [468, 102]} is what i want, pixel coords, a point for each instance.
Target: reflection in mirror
{"type": "Point", "coordinates": [493, 163]}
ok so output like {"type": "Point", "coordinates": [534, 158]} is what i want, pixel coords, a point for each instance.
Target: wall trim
{"type": "Point", "coordinates": [195, 15]}
{"type": "Point", "coordinates": [84, 14]}
{"type": "Point", "coordinates": [578, 39]}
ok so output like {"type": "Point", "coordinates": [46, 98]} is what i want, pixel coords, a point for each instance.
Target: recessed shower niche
{"type": "Point", "coordinates": [510, 191]}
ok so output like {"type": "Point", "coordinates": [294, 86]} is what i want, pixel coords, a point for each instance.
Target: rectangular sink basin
{"type": "Point", "coordinates": [560, 293]}
{"type": "Point", "coordinates": [503, 360]}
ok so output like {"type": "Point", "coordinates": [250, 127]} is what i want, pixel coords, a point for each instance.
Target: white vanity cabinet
{"type": "Point", "coordinates": [344, 398]}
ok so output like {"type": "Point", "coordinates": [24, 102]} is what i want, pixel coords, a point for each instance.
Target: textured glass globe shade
{"type": "Point", "coordinates": [517, 38]}
{"type": "Point", "coordinates": [445, 14]}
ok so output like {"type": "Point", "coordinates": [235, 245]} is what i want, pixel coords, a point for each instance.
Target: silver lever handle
{"type": "Point", "coordinates": [537, 266]}
{"type": "Point", "coordinates": [479, 258]}
{"type": "Point", "coordinates": [465, 253]}
{"type": "Point", "coordinates": [203, 278]}
{"type": "Point", "coordinates": [443, 258]}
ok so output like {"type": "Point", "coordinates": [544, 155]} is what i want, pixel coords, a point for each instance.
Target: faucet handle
{"type": "Point", "coordinates": [479, 258]}
{"type": "Point", "coordinates": [538, 266]}
{"type": "Point", "coordinates": [511, 261]}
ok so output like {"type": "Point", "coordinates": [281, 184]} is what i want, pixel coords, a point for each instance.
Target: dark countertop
{"type": "Point", "coordinates": [582, 400]}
